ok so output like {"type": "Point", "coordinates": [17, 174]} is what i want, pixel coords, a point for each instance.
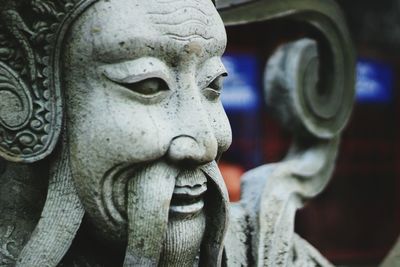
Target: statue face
{"type": "Point", "coordinates": [142, 83]}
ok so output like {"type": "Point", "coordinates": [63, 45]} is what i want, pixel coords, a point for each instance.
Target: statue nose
{"type": "Point", "coordinates": [191, 151]}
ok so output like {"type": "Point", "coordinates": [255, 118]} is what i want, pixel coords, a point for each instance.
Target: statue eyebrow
{"type": "Point", "coordinates": [112, 51]}
{"type": "Point", "coordinates": [136, 70]}
{"type": "Point", "coordinates": [211, 69]}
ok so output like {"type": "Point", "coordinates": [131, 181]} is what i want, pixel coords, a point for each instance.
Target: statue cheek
{"type": "Point", "coordinates": [114, 142]}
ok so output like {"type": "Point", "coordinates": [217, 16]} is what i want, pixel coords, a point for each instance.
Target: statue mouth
{"type": "Point", "coordinates": [180, 194]}
{"type": "Point", "coordinates": [188, 200]}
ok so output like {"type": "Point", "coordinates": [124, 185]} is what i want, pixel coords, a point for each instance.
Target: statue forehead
{"type": "Point", "coordinates": [117, 27]}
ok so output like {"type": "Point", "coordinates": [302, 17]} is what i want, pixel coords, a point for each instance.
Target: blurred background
{"type": "Point", "coordinates": [356, 220]}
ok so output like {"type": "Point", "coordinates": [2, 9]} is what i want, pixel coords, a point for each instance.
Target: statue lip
{"type": "Point", "coordinates": [188, 200]}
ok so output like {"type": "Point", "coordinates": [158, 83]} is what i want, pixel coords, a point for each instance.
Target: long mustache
{"type": "Point", "coordinates": [217, 209]}
{"type": "Point", "coordinates": [148, 220]}
{"type": "Point", "coordinates": [148, 199]}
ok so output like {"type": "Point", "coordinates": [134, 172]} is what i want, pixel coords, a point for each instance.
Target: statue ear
{"type": "Point", "coordinates": [30, 117]}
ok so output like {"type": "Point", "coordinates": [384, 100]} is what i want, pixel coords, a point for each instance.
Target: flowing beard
{"type": "Point", "coordinates": [153, 239]}
{"type": "Point", "coordinates": [162, 230]}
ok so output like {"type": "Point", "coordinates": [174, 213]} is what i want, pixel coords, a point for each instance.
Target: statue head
{"type": "Point", "coordinates": [143, 124]}
{"type": "Point", "coordinates": [142, 83]}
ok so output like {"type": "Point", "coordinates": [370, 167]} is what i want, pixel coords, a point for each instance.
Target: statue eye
{"type": "Point", "coordinates": [148, 88]}
{"type": "Point", "coordinates": [213, 90]}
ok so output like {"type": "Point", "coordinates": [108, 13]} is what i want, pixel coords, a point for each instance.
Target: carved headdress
{"type": "Point", "coordinates": [31, 34]}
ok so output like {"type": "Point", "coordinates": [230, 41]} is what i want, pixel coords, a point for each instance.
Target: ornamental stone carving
{"type": "Point", "coordinates": [111, 127]}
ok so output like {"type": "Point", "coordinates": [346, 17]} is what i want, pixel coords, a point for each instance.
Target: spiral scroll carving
{"type": "Point", "coordinates": [306, 97]}
{"type": "Point", "coordinates": [15, 104]}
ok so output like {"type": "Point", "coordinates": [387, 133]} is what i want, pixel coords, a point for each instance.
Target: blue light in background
{"type": "Point", "coordinates": [375, 82]}
{"type": "Point", "coordinates": [241, 90]}
{"type": "Point", "coordinates": [242, 100]}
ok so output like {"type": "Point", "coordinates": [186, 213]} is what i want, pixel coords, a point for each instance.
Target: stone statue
{"type": "Point", "coordinates": [112, 108]}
